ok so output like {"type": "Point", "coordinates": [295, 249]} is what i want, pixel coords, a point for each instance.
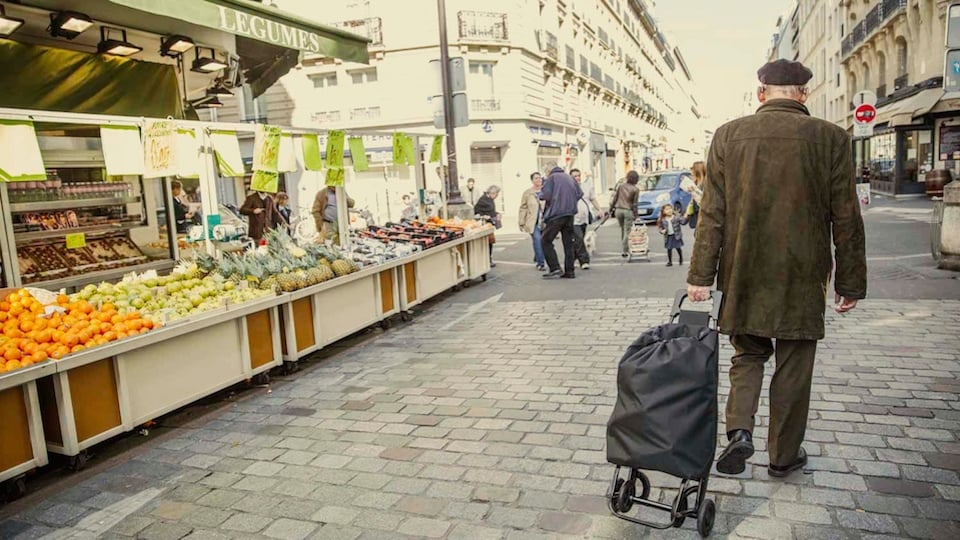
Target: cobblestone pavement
{"type": "Point", "coordinates": [489, 423]}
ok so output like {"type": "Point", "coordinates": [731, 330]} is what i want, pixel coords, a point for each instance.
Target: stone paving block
{"type": "Point", "coordinates": [875, 468]}
{"type": "Point", "coordinates": [290, 529]}
{"type": "Point", "coordinates": [802, 512]}
{"type": "Point", "coordinates": [935, 509]}
{"type": "Point", "coordinates": [926, 528]}
{"type": "Point", "coordinates": [424, 527]}
{"type": "Point", "coordinates": [565, 522]}
{"type": "Point", "coordinates": [246, 523]}
{"type": "Point", "coordinates": [848, 482]}
{"type": "Point", "coordinates": [165, 531]}
{"type": "Point", "coordinates": [463, 531]}
{"type": "Point", "coordinates": [866, 521]}
{"type": "Point", "coordinates": [512, 517]}
{"type": "Point", "coordinates": [762, 528]}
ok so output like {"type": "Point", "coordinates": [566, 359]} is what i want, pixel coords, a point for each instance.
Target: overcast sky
{"type": "Point", "coordinates": [724, 43]}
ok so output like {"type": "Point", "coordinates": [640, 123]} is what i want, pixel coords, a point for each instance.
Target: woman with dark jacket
{"type": "Point", "coordinates": [261, 214]}
{"type": "Point", "coordinates": [487, 209]}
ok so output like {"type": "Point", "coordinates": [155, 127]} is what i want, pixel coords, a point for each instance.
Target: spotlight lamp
{"type": "Point", "coordinates": [175, 45]}
{"type": "Point", "coordinates": [116, 47]}
{"type": "Point", "coordinates": [207, 102]}
{"type": "Point", "coordinates": [207, 64]}
{"type": "Point", "coordinates": [8, 25]}
{"type": "Point", "coordinates": [68, 24]}
{"type": "Point", "coordinates": [219, 90]}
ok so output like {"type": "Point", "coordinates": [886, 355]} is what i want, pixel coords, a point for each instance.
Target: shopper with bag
{"type": "Point", "coordinates": [623, 206]}
{"type": "Point", "coordinates": [560, 195]}
{"type": "Point", "coordinates": [585, 215]}
{"type": "Point", "coordinates": [778, 166]}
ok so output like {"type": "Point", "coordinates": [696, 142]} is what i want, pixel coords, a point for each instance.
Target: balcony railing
{"type": "Point", "coordinates": [484, 105]}
{"type": "Point", "coordinates": [548, 44]}
{"type": "Point", "coordinates": [325, 116]}
{"type": "Point", "coordinates": [483, 25]}
{"type": "Point", "coordinates": [370, 28]}
{"type": "Point", "coordinates": [900, 82]}
{"type": "Point", "coordinates": [875, 18]}
{"type": "Point", "coordinates": [365, 113]}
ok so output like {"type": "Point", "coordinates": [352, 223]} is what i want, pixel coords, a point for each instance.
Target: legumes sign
{"type": "Point", "coordinates": [246, 24]}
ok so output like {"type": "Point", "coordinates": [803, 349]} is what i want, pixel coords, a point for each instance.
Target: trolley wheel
{"type": "Point", "coordinates": [624, 496]}
{"type": "Point", "coordinates": [406, 316]}
{"type": "Point", "coordinates": [678, 521]}
{"type": "Point", "coordinates": [644, 484]}
{"type": "Point", "coordinates": [705, 517]}
{"type": "Point", "coordinates": [261, 379]}
{"type": "Point", "coordinates": [78, 462]}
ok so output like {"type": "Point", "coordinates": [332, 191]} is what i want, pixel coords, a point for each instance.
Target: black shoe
{"type": "Point", "coordinates": [733, 459]}
{"type": "Point", "coordinates": [585, 266]}
{"type": "Point", "coordinates": [781, 471]}
{"type": "Point", "coordinates": [568, 276]}
{"type": "Point", "coordinates": [541, 267]}
{"type": "Point", "coordinates": [624, 255]}
{"type": "Point", "coordinates": [493, 265]}
{"type": "Point", "coordinates": [670, 263]}
{"type": "Point", "coordinates": [553, 274]}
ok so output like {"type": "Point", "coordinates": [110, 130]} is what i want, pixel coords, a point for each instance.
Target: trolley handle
{"type": "Point", "coordinates": [715, 296]}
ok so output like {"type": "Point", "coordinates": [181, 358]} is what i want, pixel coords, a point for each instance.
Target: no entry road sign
{"type": "Point", "coordinates": [865, 114]}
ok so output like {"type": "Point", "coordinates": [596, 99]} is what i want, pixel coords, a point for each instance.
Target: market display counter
{"type": "Point", "coordinates": [22, 448]}
{"type": "Point", "coordinates": [105, 391]}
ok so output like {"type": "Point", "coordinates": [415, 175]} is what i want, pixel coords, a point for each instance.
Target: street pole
{"type": "Point", "coordinates": [453, 179]}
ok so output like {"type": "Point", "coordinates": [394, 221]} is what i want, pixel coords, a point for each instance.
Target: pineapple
{"type": "Point", "coordinates": [315, 275]}
{"type": "Point", "coordinates": [287, 282]}
{"type": "Point", "coordinates": [301, 278]}
{"type": "Point", "coordinates": [326, 273]}
{"type": "Point", "coordinates": [341, 267]}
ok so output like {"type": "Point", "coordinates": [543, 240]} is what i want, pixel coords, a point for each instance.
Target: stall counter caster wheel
{"type": "Point", "coordinates": [467, 284]}
{"type": "Point", "coordinates": [406, 316]}
{"type": "Point", "coordinates": [386, 324]}
{"type": "Point", "coordinates": [261, 379]}
{"type": "Point", "coordinates": [13, 489]}
{"type": "Point", "coordinates": [706, 517]}
{"type": "Point", "coordinates": [483, 277]}
{"type": "Point", "coordinates": [290, 368]}
{"type": "Point", "coordinates": [79, 461]}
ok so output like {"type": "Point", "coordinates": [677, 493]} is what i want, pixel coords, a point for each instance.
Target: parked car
{"type": "Point", "coordinates": [660, 188]}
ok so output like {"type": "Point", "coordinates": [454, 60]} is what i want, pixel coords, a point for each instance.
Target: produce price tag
{"type": "Point", "coordinates": [437, 149]}
{"type": "Point", "coordinates": [358, 153]}
{"type": "Point", "coordinates": [76, 241]}
{"type": "Point", "coordinates": [335, 148]}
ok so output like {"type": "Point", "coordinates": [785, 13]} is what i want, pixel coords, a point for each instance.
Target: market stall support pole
{"type": "Point", "coordinates": [454, 200]}
{"type": "Point", "coordinates": [208, 187]}
{"type": "Point", "coordinates": [343, 216]}
{"type": "Point", "coordinates": [421, 178]}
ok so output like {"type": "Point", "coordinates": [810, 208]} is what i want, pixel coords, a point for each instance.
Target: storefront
{"type": "Point", "coordinates": [902, 149]}
{"type": "Point", "coordinates": [106, 184]}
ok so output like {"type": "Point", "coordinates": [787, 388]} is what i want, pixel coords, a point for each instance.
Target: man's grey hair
{"type": "Point", "coordinates": [493, 190]}
{"type": "Point", "coordinates": [790, 91]}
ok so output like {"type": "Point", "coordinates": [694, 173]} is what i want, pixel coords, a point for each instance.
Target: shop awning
{"type": "Point", "coordinates": [950, 102]}
{"type": "Point", "coordinates": [903, 112]}
{"type": "Point", "coordinates": [263, 23]}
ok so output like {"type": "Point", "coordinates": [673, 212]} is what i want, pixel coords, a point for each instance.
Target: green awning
{"type": "Point", "coordinates": [256, 21]}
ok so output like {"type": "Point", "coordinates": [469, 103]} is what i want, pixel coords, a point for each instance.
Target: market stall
{"type": "Point", "coordinates": [21, 430]}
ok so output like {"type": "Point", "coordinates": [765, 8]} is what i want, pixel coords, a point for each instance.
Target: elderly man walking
{"type": "Point", "coordinates": [779, 184]}
{"type": "Point", "coordinates": [560, 194]}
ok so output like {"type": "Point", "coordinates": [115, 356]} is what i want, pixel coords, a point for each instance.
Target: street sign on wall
{"type": "Point", "coordinates": [953, 26]}
{"type": "Point", "coordinates": [951, 71]}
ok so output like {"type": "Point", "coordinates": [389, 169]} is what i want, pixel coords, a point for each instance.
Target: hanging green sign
{"type": "Point", "coordinates": [266, 148]}
{"type": "Point", "coordinates": [358, 154]}
{"type": "Point", "coordinates": [398, 148]}
{"type": "Point", "coordinates": [335, 176]}
{"type": "Point", "coordinates": [335, 148]}
{"type": "Point", "coordinates": [436, 151]}
{"type": "Point", "coordinates": [311, 152]}
{"type": "Point", "coordinates": [267, 182]}
{"type": "Point", "coordinates": [409, 156]}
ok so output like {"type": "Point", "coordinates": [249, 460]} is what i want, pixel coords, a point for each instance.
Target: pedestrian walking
{"type": "Point", "coordinates": [282, 201]}
{"type": "Point", "coordinates": [470, 195]}
{"type": "Point", "coordinates": [587, 209]}
{"type": "Point", "coordinates": [326, 214]}
{"type": "Point", "coordinates": [699, 171]}
{"type": "Point", "coordinates": [486, 208]}
{"type": "Point", "coordinates": [560, 194]}
{"type": "Point", "coordinates": [671, 227]}
{"type": "Point", "coordinates": [778, 184]}
{"type": "Point", "coordinates": [623, 206]}
{"type": "Point", "coordinates": [531, 210]}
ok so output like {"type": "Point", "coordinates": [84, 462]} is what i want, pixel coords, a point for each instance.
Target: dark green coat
{"type": "Point", "coordinates": [777, 183]}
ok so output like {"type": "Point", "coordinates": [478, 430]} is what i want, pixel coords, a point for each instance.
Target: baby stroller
{"type": "Point", "coordinates": [665, 418]}
{"type": "Point", "coordinates": [639, 241]}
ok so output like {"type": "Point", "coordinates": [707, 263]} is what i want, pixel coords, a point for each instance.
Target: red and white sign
{"type": "Point", "coordinates": [865, 114]}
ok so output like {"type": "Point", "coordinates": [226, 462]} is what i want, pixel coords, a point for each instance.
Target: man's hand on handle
{"type": "Point", "coordinates": [699, 294]}
{"type": "Point", "coordinates": [843, 304]}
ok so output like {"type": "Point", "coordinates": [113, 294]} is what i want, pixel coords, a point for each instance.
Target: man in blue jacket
{"type": "Point", "coordinates": [560, 194]}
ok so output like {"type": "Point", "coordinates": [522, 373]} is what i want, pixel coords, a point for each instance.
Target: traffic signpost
{"type": "Point", "coordinates": [865, 114]}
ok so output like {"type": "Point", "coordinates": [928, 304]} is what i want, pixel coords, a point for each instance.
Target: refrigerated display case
{"type": "Point", "coordinates": [80, 225]}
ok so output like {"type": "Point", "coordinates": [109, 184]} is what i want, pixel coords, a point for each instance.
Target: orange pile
{"type": "Point", "coordinates": [29, 336]}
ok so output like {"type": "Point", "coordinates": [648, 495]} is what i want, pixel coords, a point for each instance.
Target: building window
{"type": "Point", "coordinates": [325, 80]}
{"type": "Point", "coordinates": [902, 58]}
{"type": "Point", "coordinates": [254, 110]}
{"type": "Point", "coordinates": [481, 79]}
{"type": "Point", "coordinates": [362, 76]}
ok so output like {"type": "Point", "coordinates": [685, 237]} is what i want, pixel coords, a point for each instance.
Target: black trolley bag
{"type": "Point", "coordinates": [665, 418]}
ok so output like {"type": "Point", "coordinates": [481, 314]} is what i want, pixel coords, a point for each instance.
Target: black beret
{"type": "Point", "coordinates": [784, 73]}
